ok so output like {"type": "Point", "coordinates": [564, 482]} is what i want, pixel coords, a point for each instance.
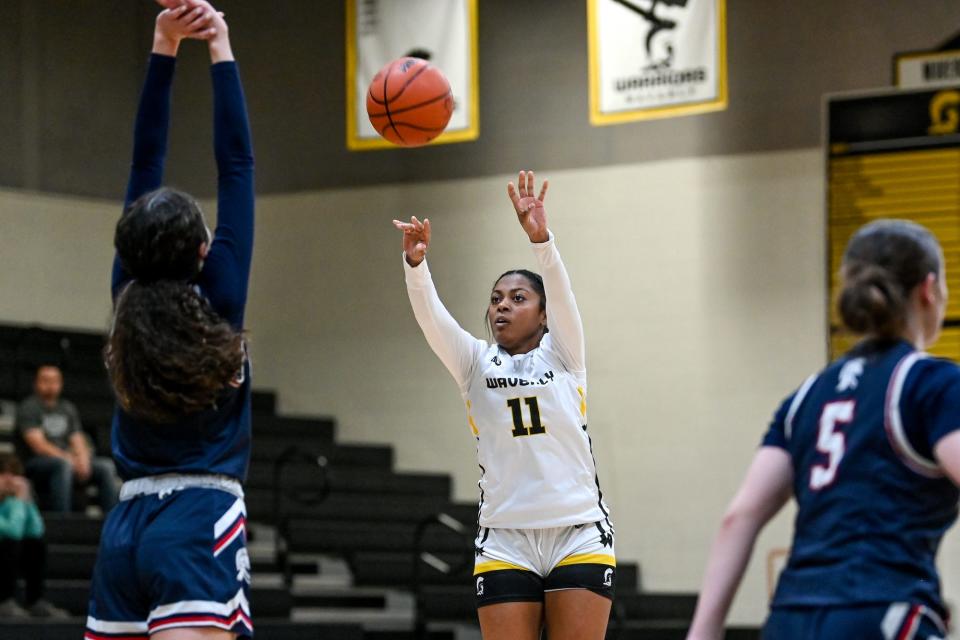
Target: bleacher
{"type": "Point", "coordinates": [343, 546]}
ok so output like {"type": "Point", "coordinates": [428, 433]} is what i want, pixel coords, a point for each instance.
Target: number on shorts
{"type": "Point", "coordinates": [520, 429]}
{"type": "Point", "coordinates": [831, 442]}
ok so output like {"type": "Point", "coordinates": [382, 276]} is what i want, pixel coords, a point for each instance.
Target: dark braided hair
{"type": "Point", "coordinates": [882, 264]}
{"type": "Point", "coordinates": [169, 353]}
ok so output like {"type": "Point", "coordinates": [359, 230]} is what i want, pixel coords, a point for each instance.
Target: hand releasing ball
{"type": "Point", "coordinates": [409, 102]}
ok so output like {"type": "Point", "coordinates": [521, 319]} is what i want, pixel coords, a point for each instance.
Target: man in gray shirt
{"type": "Point", "coordinates": [55, 449]}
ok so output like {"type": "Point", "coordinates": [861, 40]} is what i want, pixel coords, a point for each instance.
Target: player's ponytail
{"type": "Point", "coordinates": [169, 354]}
{"type": "Point", "coordinates": [883, 263]}
{"type": "Point", "coordinates": [872, 302]}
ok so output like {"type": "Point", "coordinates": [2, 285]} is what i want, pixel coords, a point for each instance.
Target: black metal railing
{"type": "Point", "coordinates": [422, 557]}
{"type": "Point", "coordinates": [302, 496]}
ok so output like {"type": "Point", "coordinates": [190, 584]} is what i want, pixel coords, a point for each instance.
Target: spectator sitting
{"type": "Point", "coordinates": [23, 552]}
{"type": "Point", "coordinates": [55, 448]}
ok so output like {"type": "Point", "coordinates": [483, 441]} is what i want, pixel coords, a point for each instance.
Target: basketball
{"type": "Point", "coordinates": [409, 102]}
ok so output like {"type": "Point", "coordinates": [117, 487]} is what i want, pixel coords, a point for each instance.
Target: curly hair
{"type": "Point", "coordinates": [169, 354]}
{"type": "Point", "coordinates": [158, 236]}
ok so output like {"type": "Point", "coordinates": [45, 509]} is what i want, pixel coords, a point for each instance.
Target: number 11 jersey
{"type": "Point", "coordinates": [529, 415]}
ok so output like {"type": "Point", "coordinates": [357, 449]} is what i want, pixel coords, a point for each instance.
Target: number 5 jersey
{"type": "Point", "coordinates": [873, 504]}
{"type": "Point", "coordinates": [527, 412]}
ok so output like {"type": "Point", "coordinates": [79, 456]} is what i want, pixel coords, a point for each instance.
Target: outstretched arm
{"type": "Point", "coordinates": [457, 349]}
{"type": "Point", "coordinates": [763, 493]}
{"type": "Point", "coordinates": [226, 270]}
{"type": "Point", "coordinates": [563, 316]}
{"type": "Point", "coordinates": [153, 113]}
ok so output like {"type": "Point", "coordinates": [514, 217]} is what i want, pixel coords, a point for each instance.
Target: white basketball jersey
{"type": "Point", "coordinates": [529, 416]}
{"type": "Point", "coordinates": [527, 412]}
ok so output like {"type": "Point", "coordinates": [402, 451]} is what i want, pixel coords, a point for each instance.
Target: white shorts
{"type": "Point", "coordinates": [520, 565]}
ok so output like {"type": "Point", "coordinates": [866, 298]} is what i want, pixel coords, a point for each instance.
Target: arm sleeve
{"type": "Point", "coordinates": [457, 349]}
{"type": "Point", "coordinates": [936, 404]}
{"type": "Point", "coordinates": [149, 141]}
{"type": "Point", "coordinates": [563, 316]}
{"type": "Point", "coordinates": [33, 527]}
{"type": "Point", "coordinates": [75, 424]}
{"type": "Point", "coordinates": [13, 518]}
{"type": "Point", "coordinates": [28, 416]}
{"type": "Point", "coordinates": [226, 271]}
{"type": "Point", "coordinates": [776, 435]}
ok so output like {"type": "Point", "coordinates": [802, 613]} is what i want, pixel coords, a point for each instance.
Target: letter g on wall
{"type": "Point", "coordinates": [944, 114]}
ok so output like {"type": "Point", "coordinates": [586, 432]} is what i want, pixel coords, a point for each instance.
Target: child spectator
{"type": "Point", "coordinates": [23, 551]}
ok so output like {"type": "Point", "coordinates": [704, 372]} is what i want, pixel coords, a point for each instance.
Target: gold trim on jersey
{"type": "Point", "coordinates": [473, 425]}
{"type": "Point", "coordinates": [589, 558]}
{"type": "Point", "coordinates": [583, 401]}
{"type": "Point", "coordinates": [496, 565]}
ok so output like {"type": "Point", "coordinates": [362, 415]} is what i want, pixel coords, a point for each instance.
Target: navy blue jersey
{"type": "Point", "coordinates": [217, 440]}
{"type": "Point", "coordinates": [872, 503]}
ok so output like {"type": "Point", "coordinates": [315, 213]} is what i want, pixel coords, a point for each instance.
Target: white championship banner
{"type": "Point", "coordinates": [656, 58]}
{"type": "Point", "coordinates": [441, 31]}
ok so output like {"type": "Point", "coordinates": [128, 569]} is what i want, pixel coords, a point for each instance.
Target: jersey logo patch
{"type": "Point", "coordinates": [850, 375]}
{"type": "Point", "coordinates": [480, 586]}
{"type": "Point", "coordinates": [608, 578]}
{"type": "Point", "coordinates": [243, 565]}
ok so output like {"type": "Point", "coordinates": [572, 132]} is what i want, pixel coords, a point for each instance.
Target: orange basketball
{"type": "Point", "coordinates": [409, 102]}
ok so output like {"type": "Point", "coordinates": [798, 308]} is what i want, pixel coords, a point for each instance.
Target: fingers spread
{"type": "Point", "coordinates": [514, 198]}
{"type": "Point", "coordinates": [522, 184]}
{"type": "Point", "coordinates": [543, 190]}
{"type": "Point", "coordinates": [530, 190]}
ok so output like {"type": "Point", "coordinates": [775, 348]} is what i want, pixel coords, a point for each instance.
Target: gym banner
{"type": "Point", "coordinates": [656, 58]}
{"type": "Point", "coordinates": [441, 31]}
{"type": "Point", "coordinates": [920, 69]}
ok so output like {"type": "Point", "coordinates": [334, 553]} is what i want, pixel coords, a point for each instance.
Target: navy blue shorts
{"type": "Point", "coordinates": [169, 562]}
{"type": "Point", "coordinates": [897, 621]}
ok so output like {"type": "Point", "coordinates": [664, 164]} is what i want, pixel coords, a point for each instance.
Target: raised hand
{"type": "Point", "coordinates": [188, 20]}
{"type": "Point", "coordinates": [529, 208]}
{"type": "Point", "coordinates": [416, 239]}
{"type": "Point", "coordinates": [219, 41]}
